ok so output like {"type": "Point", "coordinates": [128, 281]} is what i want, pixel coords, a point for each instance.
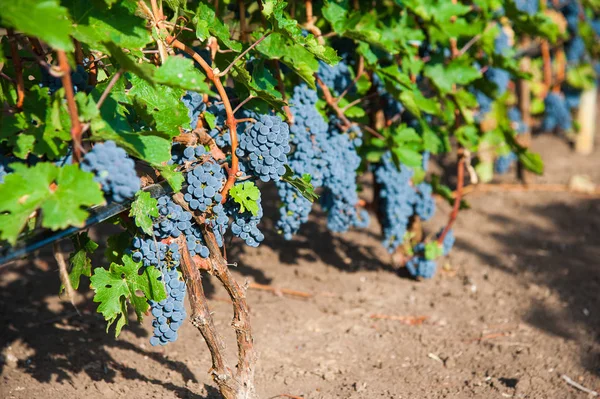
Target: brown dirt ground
{"type": "Point", "coordinates": [514, 308]}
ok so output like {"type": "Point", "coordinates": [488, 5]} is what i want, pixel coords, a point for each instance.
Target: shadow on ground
{"type": "Point", "coordinates": [556, 246]}
{"type": "Point", "coordinates": [64, 343]}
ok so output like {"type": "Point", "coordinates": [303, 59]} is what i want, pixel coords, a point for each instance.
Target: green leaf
{"type": "Point", "coordinates": [117, 245]}
{"type": "Point", "coordinates": [246, 194]}
{"type": "Point", "coordinates": [456, 73]}
{"type": "Point", "coordinates": [180, 72]}
{"type": "Point", "coordinates": [408, 156]}
{"type": "Point", "coordinates": [485, 171]}
{"type": "Point", "coordinates": [161, 106]}
{"type": "Point", "coordinates": [81, 264]}
{"type": "Point", "coordinates": [95, 24]}
{"type": "Point", "coordinates": [207, 21]}
{"type": "Point", "coordinates": [62, 203]}
{"type": "Point", "coordinates": [172, 176]}
{"type": "Point", "coordinates": [302, 184]}
{"type": "Point", "coordinates": [532, 161]}
{"type": "Point", "coordinates": [44, 19]}
{"type": "Point", "coordinates": [143, 209]}
{"type": "Point", "coordinates": [125, 61]}
{"type": "Point", "coordinates": [123, 282]}
{"type": "Point", "coordinates": [433, 250]}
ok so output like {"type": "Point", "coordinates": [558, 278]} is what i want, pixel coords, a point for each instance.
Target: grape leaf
{"type": "Point", "coordinates": [81, 264]}
{"type": "Point", "coordinates": [180, 72]}
{"type": "Point", "coordinates": [302, 184]}
{"type": "Point", "coordinates": [116, 246]}
{"type": "Point", "coordinates": [207, 22]}
{"type": "Point", "coordinates": [446, 77]}
{"type": "Point", "coordinates": [433, 250]}
{"type": "Point", "coordinates": [33, 16]}
{"type": "Point", "coordinates": [113, 287]}
{"type": "Point", "coordinates": [143, 208]}
{"type": "Point", "coordinates": [61, 193]}
{"type": "Point", "coordinates": [161, 107]}
{"type": "Point", "coordinates": [172, 176]}
{"type": "Point", "coordinates": [246, 194]}
{"type": "Point", "coordinates": [95, 24]}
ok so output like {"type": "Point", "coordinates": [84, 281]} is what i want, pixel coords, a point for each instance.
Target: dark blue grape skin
{"type": "Point", "coordinates": [397, 200]}
{"type": "Point", "coordinates": [556, 113]}
{"type": "Point", "coordinates": [113, 169]}
{"type": "Point", "coordinates": [264, 147]}
{"type": "Point", "coordinates": [336, 77]}
{"type": "Point", "coordinates": [425, 204]}
{"type": "Point", "coordinates": [420, 267]}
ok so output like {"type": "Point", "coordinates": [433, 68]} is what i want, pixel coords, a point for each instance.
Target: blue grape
{"type": "Point", "coordinates": [245, 224]}
{"type": "Point", "coordinates": [556, 113]}
{"type": "Point", "coordinates": [517, 123]}
{"type": "Point", "coordinates": [113, 169]}
{"type": "Point", "coordinates": [195, 105]}
{"type": "Point", "coordinates": [79, 80]}
{"type": "Point", "coordinates": [336, 77]}
{"type": "Point", "coordinates": [307, 136]}
{"type": "Point", "coordinates": [449, 241]}
{"type": "Point", "coordinates": [205, 182]}
{"type": "Point", "coordinates": [571, 14]}
{"type": "Point", "coordinates": [500, 78]}
{"type": "Point", "coordinates": [425, 203]}
{"type": "Point", "coordinates": [425, 160]}
{"type": "Point", "coordinates": [397, 199]}
{"type": "Point", "coordinates": [572, 97]}
{"type": "Point", "coordinates": [340, 197]}
{"type": "Point", "coordinates": [503, 162]}
{"type": "Point", "coordinates": [264, 146]}
{"type": "Point", "coordinates": [220, 132]}
{"type": "Point", "coordinates": [575, 50]}
{"type": "Point", "coordinates": [501, 42]}
{"type": "Point", "coordinates": [391, 106]}
{"type": "Point", "coordinates": [530, 7]}
{"type": "Point", "coordinates": [418, 265]}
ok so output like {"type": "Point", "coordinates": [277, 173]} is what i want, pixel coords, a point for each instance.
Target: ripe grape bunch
{"type": "Point", "coordinates": [113, 169]}
{"type": "Point", "coordinates": [264, 146]}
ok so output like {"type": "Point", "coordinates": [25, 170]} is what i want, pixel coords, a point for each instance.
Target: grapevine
{"type": "Point", "coordinates": [182, 114]}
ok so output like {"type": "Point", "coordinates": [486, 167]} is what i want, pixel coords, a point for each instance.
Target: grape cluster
{"type": "Point", "coordinates": [418, 265]}
{"type": "Point", "coordinates": [169, 313]}
{"type": "Point", "coordinates": [264, 146]}
{"type": "Point", "coordinates": [448, 242]}
{"type": "Point", "coordinates": [195, 105]}
{"type": "Point", "coordinates": [220, 133]}
{"type": "Point", "coordinates": [572, 96]}
{"type": "Point", "coordinates": [499, 77]}
{"type": "Point", "coordinates": [425, 203]}
{"type": "Point", "coordinates": [79, 80]}
{"type": "Point", "coordinates": [530, 7]}
{"type": "Point", "coordinates": [245, 224]}
{"type": "Point", "coordinates": [575, 50]}
{"type": "Point", "coordinates": [503, 163]}
{"type": "Point", "coordinates": [391, 106]}
{"type": "Point", "coordinates": [571, 13]}
{"type": "Point", "coordinates": [306, 134]}
{"type": "Point", "coordinates": [501, 42]}
{"type": "Point", "coordinates": [340, 198]}
{"type": "Point", "coordinates": [556, 113]}
{"type": "Point", "coordinates": [173, 220]}
{"type": "Point", "coordinates": [336, 77]}
{"type": "Point", "coordinates": [113, 169]}
{"type": "Point", "coordinates": [397, 199]}
{"type": "Point", "coordinates": [205, 182]}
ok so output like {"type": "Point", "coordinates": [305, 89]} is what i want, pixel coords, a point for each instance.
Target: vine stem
{"type": "Point", "coordinates": [231, 121]}
{"type": "Point", "coordinates": [109, 87]}
{"type": "Point", "coordinates": [242, 54]}
{"type": "Point", "coordinates": [332, 103]}
{"type": "Point", "coordinates": [360, 71]}
{"type": "Point", "coordinates": [243, 34]}
{"type": "Point", "coordinates": [76, 129]}
{"type": "Point", "coordinates": [459, 193]}
{"type": "Point", "coordinates": [310, 22]}
{"type": "Point", "coordinates": [545, 50]}
{"type": "Point", "coordinates": [281, 87]}
{"type": "Point", "coordinates": [202, 319]}
{"type": "Point", "coordinates": [16, 58]}
{"type": "Point", "coordinates": [241, 384]}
